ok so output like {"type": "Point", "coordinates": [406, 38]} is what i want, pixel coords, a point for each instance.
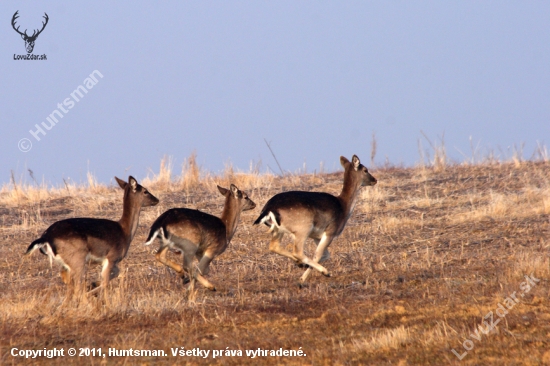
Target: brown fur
{"type": "Point", "coordinates": [72, 242]}
{"type": "Point", "coordinates": [316, 215]}
{"type": "Point", "coordinates": [198, 234]}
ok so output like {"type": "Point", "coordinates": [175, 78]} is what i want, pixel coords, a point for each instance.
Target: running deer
{"type": "Point", "coordinates": [73, 242]}
{"type": "Point", "coordinates": [317, 215]}
{"type": "Point", "coordinates": [198, 234]}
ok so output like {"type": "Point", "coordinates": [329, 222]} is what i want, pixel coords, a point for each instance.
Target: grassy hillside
{"type": "Point", "coordinates": [427, 255]}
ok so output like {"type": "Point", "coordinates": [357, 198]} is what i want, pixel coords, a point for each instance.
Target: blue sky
{"type": "Point", "coordinates": [315, 79]}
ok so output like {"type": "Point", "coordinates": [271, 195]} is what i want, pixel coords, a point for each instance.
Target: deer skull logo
{"type": "Point", "coordinates": [29, 40]}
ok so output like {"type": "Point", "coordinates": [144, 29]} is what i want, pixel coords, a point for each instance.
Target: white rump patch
{"type": "Point", "coordinates": [49, 252]}
{"type": "Point", "coordinates": [52, 257]}
{"type": "Point", "coordinates": [270, 220]}
{"type": "Point", "coordinates": [155, 234]}
{"type": "Point", "coordinates": [37, 246]}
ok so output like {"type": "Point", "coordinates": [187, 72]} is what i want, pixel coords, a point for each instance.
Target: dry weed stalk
{"type": "Point", "coordinates": [447, 245]}
{"type": "Point", "coordinates": [439, 162]}
{"type": "Point", "coordinates": [190, 173]}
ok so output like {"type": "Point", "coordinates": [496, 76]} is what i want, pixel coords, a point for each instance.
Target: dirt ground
{"type": "Point", "coordinates": [430, 269]}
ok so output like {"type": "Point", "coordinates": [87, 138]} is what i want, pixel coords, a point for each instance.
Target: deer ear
{"type": "Point", "coordinates": [133, 183]}
{"type": "Point", "coordinates": [343, 161]}
{"type": "Point", "coordinates": [356, 162]}
{"type": "Point", "coordinates": [121, 183]}
{"type": "Point", "coordinates": [235, 191]}
{"type": "Point", "coordinates": [223, 191]}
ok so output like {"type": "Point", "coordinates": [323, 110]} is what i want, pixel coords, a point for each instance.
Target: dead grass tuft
{"type": "Point", "coordinates": [190, 173]}
{"type": "Point", "coordinates": [384, 340]}
{"type": "Point", "coordinates": [427, 253]}
{"type": "Point", "coordinates": [162, 181]}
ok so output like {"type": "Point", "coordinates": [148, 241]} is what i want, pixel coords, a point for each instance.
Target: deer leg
{"type": "Point", "coordinates": [299, 253]}
{"type": "Point", "coordinates": [189, 250]}
{"type": "Point", "coordinates": [188, 267]}
{"type": "Point", "coordinates": [321, 254]}
{"type": "Point", "coordinates": [325, 257]}
{"type": "Point", "coordinates": [108, 267]}
{"type": "Point", "coordinates": [199, 257]}
{"type": "Point", "coordinates": [75, 283]}
{"type": "Point", "coordinates": [203, 269]}
{"type": "Point", "coordinates": [301, 265]}
{"type": "Point", "coordinates": [326, 253]}
{"type": "Point", "coordinates": [65, 276]}
{"type": "Point", "coordinates": [275, 246]}
{"type": "Point", "coordinates": [161, 257]}
{"type": "Point", "coordinates": [114, 272]}
{"type": "Point", "coordinates": [72, 281]}
{"type": "Point", "coordinates": [168, 243]}
{"type": "Point", "coordinates": [72, 273]}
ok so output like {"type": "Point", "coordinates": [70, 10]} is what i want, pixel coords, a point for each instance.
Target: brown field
{"type": "Point", "coordinates": [427, 254]}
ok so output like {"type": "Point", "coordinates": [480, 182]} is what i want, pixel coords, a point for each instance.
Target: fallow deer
{"type": "Point", "coordinates": [198, 234]}
{"type": "Point", "coordinates": [317, 215]}
{"type": "Point", "coordinates": [73, 242]}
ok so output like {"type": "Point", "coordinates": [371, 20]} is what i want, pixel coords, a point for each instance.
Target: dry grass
{"type": "Point", "coordinates": [384, 340]}
{"type": "Point", "coordinates": [426, 255]}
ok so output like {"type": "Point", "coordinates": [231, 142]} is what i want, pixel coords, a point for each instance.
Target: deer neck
{"type": "Point", "coordinates": [130, 218]}
{"type": "Point", "coordinates": [230, 217]}
{"type": "Point", "coordinates": [348, 196]}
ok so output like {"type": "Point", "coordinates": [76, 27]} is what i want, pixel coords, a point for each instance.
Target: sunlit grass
{"type": "Point", "coordinates": [425, 255]}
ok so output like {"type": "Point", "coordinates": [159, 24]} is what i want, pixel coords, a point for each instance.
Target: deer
{"type": "Point", "coordinates": [74, 242]}
{"type": "Point", "coordinates": [29, 40]}
{"type": "Point", "coordinates": [199, 235]}
{"type": "Point", "coordinates": [317, 215]}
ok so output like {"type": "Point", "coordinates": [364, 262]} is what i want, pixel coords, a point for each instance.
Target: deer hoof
{"type": "Point", "coordinates": [326, 274]}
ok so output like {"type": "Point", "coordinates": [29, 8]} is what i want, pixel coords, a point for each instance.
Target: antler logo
{"type": "Point", "coordinates": [29, 40]}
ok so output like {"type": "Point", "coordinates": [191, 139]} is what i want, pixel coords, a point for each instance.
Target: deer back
{"type": "Point", "coordinates": [200, 228]}
{"type": "Point", "coordinates": [296, 211]}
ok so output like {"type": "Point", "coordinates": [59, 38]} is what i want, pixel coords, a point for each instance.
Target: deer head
{"type": "Point", "coordinates": [29, 40]}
